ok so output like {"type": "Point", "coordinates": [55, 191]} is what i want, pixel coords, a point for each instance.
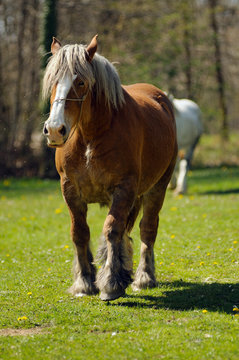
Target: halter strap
{"type": "Point", "coordinates": [81, 99]}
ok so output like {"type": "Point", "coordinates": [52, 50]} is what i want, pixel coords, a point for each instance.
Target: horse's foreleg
{"type": "Point", "coordinates": [145, 273]}
{"type": "Point", "coordinates": [84, 270]}
{"type": "Point", "coordinates": [115, 274]}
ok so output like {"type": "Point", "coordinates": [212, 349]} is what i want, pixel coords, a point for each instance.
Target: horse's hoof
{"type": "Point", "coordinates": [135, 287]}
{"type": "Point", "coordinates": [111, 296]}
{"type": "Point", "coordinates": [80, 294]}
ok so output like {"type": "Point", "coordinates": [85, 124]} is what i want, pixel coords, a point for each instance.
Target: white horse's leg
{"type": "Point", "coordinates": [181, 187]}
{"type": "Point", "coordinates": [184, 166]}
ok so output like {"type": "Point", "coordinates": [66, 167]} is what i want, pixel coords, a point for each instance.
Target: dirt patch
{"type": "Point", "coordinates": [23, 332]}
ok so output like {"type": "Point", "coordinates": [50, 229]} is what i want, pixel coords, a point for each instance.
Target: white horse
{"type": "Point", "coordinates": [189, 130]}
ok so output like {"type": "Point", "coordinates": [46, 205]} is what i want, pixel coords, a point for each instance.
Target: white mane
{"type": "Point", "coordinates": [99, 73]}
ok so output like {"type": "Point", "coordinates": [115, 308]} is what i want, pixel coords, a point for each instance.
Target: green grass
{"type": "Point", "coordinates": [197, 268]}
{"type": "Point", "coordinates": [213, 151]}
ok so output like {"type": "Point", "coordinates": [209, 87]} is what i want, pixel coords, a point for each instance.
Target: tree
{"type": "Point", "coordinates": [49, 30]}
{"type": "Point", "coordinates": [219, 70]}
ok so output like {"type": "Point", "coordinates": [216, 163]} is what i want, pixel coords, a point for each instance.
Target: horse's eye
{"type": "Point", "coordinates": [81, 83]}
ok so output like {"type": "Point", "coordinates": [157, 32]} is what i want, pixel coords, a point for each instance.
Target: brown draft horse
{"type": "Point", "coordinates": [115, 145]}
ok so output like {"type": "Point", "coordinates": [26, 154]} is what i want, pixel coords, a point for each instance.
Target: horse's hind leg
{"type": "Point", "coordinates": [181, 187]}
{"type": "Point", "coordinates": [84, 270]}
{"type": "Point", "coordinates": [116, 270]}
{"type": "Point", "coordinates": [152, 204]}
{"type": "Point", "coordinates": [184, 166]}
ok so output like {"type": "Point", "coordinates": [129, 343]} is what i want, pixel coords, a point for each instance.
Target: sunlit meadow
{"type": "Point", "coordinates": [192, 314]}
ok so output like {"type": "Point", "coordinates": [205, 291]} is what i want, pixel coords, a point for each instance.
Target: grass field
{"type": "Point", "coordinates": [190, 315]}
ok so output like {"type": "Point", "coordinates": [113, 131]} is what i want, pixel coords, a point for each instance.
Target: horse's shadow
{"type": "Point", "coordinates": [221, 192]}
{"type": "Point", "coordinates": [183, 296]}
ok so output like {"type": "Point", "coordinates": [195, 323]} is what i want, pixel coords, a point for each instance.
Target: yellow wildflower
{"type": "Point", "coordinates": [22, 318]}
{"type": "Point", "coordinates": [58, 211]}
{"type": "Point", "coordinates": [235, 242]}
{"type": "Point", "coordinates": [29, 293]}
{"type": "Point", "coordinates": [161, 263]}
{"type": "Point", "coordinates": [66, 246]}
{"type": "Point", "coordinates": [172, 264]}
{"type": "Point", "coordinates": [204, 215]}
{"type": "Point", "coordinates": [198, 247]}
{"type": "Point", "coordinates": [49, 269]}
{"type": "Point", "coordinates": [215, 263]}
{"type": "Point", "coordinates": [172, 236]}
{"type": "Point", "coordinates": [7, 255]}
{"type": "Point", "coordinates": [173, 208]}
{"type": "Point", "coordinates": [204, 311]}
{"type": "Point", "coordinates": [201, 263]}
{"type": "Point", "coordinates": [230, 249]}
{"type": "Point", "coordinates": [6, 182]}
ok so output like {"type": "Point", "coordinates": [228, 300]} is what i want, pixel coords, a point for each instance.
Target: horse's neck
{"type": "Point", "coordinates": [95, 122]}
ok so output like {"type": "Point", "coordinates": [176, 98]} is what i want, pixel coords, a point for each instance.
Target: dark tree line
{"type": "Point", "coordinates": [187, 47]}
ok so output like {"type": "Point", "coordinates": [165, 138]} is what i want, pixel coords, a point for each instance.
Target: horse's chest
{"type": "Point", "coordinates": [90, 179]}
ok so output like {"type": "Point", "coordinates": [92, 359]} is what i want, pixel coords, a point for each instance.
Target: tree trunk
{"type": "Point", "coordinates": [20, 64]}
{"type": "Point", "coordinates": [188, 57]}
{"type": "Point", "coordinates": [49, 30]}
{"type": "Point", "coordinates": [32, 108]}
{"type": "Point", "coordinates": [219, 71]}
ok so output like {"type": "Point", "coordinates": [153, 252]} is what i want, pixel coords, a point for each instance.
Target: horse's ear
{"type": "Point", "coordinates": [55, 45]}
{"type": "Point", "coordinates": [91, 48]}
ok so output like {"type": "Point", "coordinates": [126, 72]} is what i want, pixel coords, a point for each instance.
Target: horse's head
{"type": "Point", "coordinates": [67, 98]}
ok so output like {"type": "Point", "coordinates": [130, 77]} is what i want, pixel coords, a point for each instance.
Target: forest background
{"type": "Point", "coordinates": [189, 48]}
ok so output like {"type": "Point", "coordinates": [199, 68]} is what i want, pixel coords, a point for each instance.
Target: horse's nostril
{"type": "Point", "coordinates": [45, 131]}
{"type": "Point", "coordinates": [62, 130]}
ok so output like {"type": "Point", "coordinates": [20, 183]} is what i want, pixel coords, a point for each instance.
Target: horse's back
{"type": "Point", "coordinates": [148, 99]}
{"type": "Point", "coordinates": [151, 114]}
{"type": "Point", "coordinates": [144, 91]}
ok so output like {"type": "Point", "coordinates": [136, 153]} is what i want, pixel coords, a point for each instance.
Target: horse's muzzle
{"type": "Point", "coordinates": [56, 136]}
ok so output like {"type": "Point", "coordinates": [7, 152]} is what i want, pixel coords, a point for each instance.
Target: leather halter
{"type": "Point", "coordinates": [80, 100]}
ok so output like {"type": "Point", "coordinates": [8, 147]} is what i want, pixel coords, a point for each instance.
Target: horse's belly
{"type": "Point", "coordinates": [92, 191]}
{"type": "Point", "coordinates": [95, 196]}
